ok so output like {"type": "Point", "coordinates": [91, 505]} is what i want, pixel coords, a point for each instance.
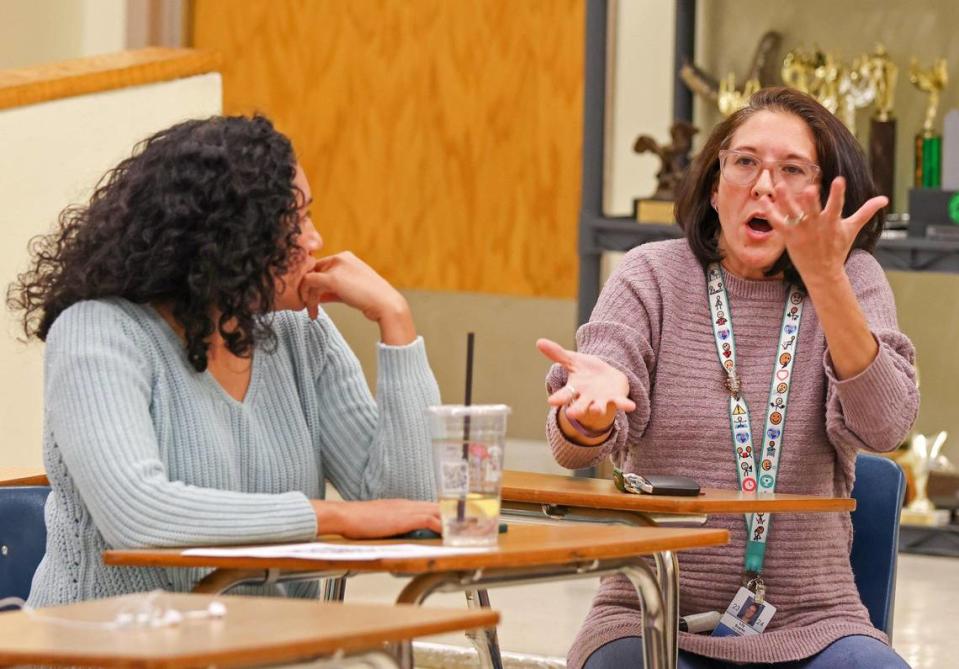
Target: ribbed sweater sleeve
{"type": "Point", "coordinates": [374, 448]}
{"type": "Point", "coordinates": [98, 393]}
{"type": "Point", "coordinates": [620, 332]}
{"type": "Point", "coordinates": [876, 408]}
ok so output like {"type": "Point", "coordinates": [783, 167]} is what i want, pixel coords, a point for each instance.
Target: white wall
{"type": "Point", "coordinates": [640, 40]}
{"type": "Point", "coordinates": [43, 31]}
{"type": "Point", "coordinates": [53, 154]}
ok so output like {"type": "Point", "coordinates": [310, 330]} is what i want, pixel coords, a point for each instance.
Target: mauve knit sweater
{"type": "Point", "coordinates": [653, 323]}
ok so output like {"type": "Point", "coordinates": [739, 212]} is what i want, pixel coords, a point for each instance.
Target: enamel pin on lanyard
{"type": "Point", "coordinates": [756, 471]}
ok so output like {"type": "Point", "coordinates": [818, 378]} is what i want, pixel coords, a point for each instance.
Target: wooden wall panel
{"type": "Point", "coordinates": [442, 138]}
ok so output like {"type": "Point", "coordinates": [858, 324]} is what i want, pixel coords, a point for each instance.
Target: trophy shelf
{"type": "Point", "coordinates": [603, 233]}
{"type": "Point", "coordinates": [599, 233]}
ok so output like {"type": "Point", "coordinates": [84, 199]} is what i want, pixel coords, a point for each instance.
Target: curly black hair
{"type": "Point", "coordinates": [203, 217]}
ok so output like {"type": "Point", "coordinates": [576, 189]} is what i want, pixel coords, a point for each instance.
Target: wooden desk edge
{"type": "Point", "coordinates": [536, 488]}
{"type": "Point", "coordinates": [37, 480]}
{"type": "Point", "coordinates": [265, 651]}
{"type": "Point", "coordinates": [686, 540]}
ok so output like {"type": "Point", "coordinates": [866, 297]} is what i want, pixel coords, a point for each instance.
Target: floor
{"type": "Point", "coordinates": [543, 619]}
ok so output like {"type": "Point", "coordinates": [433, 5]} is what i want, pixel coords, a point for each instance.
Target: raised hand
{"type": "Point", "coordinates": [594, 390]}
{"type": "Point", "coordinates": [818, 239]}
{"type": "Point", "coordinates": [345, 278]}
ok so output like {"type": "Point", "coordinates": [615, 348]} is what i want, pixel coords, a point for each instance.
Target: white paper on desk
{"type": "Point", "coordinates": [322, 551]}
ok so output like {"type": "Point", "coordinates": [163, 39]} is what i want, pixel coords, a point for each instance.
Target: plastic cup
{"type": "Point", "coordinates": [468, 444]}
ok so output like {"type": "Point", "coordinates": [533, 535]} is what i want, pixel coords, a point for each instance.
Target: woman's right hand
{"type": "Point", "coordinates": [345, 278]}
{"type": "Point", "coordinates": [375, 519]}
{"type": "Point", "coordinates": [594, 390]}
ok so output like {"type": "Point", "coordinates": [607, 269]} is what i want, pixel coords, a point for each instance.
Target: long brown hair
{"type": "Point", "coordinates": [838, 152]}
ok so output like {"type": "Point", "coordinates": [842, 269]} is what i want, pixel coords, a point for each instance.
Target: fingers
{"type": "Point", "coordinates": [865, 213]}
{"type": "Point", "coordinates": [560, 397]}
{"type": "Point", "coordinates": [555, 352]}
{"type": "Point", "coordinates": [790, 209]}
{"type": "Point", "coordinates": [836, 200]}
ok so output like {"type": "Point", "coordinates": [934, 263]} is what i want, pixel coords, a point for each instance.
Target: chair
{"type": "Point", "coordinates": [879, 491]}
{"type": "Point", "coordinates": [23, 537]}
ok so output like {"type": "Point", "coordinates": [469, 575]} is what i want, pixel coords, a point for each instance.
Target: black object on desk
{"type": "Point", "coordinates": [430, 534]}
{"type": "Point", "coordinates": [656, 484]}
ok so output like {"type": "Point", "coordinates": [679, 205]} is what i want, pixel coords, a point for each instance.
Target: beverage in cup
{"type": "Point", "coordinates": [468, 442]}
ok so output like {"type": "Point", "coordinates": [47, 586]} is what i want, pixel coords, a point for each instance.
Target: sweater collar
{"type": "Point", "coordinates": [770, 290]}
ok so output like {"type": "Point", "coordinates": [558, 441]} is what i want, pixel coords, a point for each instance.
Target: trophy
{"type": "Point", "coordinates": [760, 74]}
{"type": "Point", "coordinates": [921, 458]}
{"type": "Point", "coordinates": [857, 90]}
{"type": "Point", "coordinates": [814, 73]}
{"type": "Point", "coordinates": [730, 99]}
{"type": "Point", "coordinates": [674, 158]}
{"type": "Point", "coordinates": [928, 163]}
{"type": "Point", "coordinates": [880, 69]}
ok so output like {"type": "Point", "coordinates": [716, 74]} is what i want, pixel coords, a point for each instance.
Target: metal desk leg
{"type": "Point", "coordinates": [654, 616]}
{"type": "Point", "coordinates": [636, 570]}
{"type": "Point", "coordinates": [334, 589]}
{"type": "Point", "coordinates": [667, 573]}
{"type": "Point", "coordinates": [485, 640]}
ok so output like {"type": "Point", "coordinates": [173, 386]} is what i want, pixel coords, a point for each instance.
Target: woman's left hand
{"type": "Point", "coordinates": [345, 278]}
{"type": "Point", "coordinates": [819, 239]}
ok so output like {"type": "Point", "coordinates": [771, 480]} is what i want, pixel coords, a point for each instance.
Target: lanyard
{"type": "Point", "coordinates": [756, 471]}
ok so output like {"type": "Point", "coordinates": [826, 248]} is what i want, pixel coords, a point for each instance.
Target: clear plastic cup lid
{"type": "Point", "coordinates": [453, 410]}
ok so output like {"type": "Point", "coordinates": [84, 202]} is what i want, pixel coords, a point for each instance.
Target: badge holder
{"type": "Point", "coordinates": [749, 613]}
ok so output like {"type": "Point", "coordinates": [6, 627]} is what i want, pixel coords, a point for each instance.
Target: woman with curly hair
{"type": "Point", "coordinates": [195, 393]}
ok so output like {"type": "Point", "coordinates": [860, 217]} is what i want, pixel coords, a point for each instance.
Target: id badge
{"type": "Point", "coordinates": [744, 616]}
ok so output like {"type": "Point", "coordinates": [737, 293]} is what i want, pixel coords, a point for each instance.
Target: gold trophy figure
{"type": "Point", "coordinates": [814, 73]}
{"type": "Point", "coordinates": [798, 71]}
{"type": "Point", "coordinates": [922, 458]}
{"type": "Point", "coordinates": [928, 144]}
{"type": "Point", "coordinates": [761, 69]}
{"type": "Point", "coordinates": [856, 91]}
{"type": "Point", "coordinates": [883, 72]}
{"type": "Point", "coordinates": [730, 99]}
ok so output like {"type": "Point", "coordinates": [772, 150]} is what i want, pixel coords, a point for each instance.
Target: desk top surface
{"type": "Point", "coordinates": [11, 476]}
{"type": "Point", "coordinates": [522, 545]}
{"type": "Point", "coordinates": [537, 488]}
{"type": "Point", "coordinates": [255, 630]}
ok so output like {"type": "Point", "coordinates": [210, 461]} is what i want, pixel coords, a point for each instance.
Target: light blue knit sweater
{"type": "Point", "coordinates": [142, 451]}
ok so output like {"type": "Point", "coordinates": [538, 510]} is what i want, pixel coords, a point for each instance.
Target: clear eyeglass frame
{"type": "Point", "coordinates": [795, 173]}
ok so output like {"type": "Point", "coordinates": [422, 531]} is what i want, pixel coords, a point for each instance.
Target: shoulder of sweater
{"type": "Point", "coordinates": [671, 256]}
{"type": "Point", "coordinates": [666, 267]}
{"type": "Point", "coordinates": [863, 265]}
{"type": "Point", "coordinates": [864, 271]}
{"type": "Point", "coordinates": [92, 316]}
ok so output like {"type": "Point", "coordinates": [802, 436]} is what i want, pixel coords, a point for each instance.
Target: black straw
{"type": "Point", "coordinates": [468, 400]}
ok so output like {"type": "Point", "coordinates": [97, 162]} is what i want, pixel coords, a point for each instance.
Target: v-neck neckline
{"type": "Point", "coordinates": [205, 376]}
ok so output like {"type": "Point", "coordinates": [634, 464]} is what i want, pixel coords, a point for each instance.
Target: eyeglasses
{"type": "Point", "coordinates": [744, 169]}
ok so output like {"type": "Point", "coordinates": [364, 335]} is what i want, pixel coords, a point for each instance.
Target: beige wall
{"type": "Point", "coordinates": [53, 154]}
{"type": "Point", "coordinates": [640, 102]}
{"type": "Point", "coordinates": [507, 366]}
{"type": "Point", "coordinates": [43, 31]}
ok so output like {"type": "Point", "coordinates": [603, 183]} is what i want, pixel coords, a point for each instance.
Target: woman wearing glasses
{"type": "Point", "coordinates": [759, 353]}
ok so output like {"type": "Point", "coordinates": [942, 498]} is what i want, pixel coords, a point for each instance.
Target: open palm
{"type": "Point", "coordinates": [594, 389]}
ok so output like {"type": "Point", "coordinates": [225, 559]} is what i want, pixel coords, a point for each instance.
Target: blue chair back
{"type": "Point", "coordinates": [23, 537]}
{"type": "Point", "coordinates": [879, 491]}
